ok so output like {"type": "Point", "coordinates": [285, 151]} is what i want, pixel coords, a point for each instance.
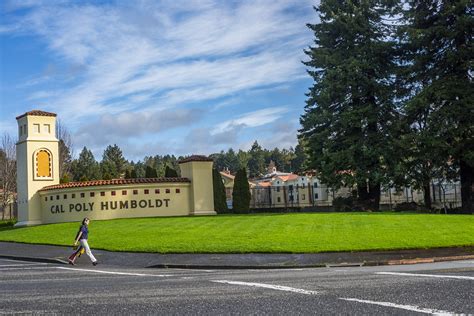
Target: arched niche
{"type": "Point", "coordinates": [42, 164]}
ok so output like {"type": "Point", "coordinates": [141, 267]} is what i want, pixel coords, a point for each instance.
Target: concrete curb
{"type": "Point", "coordinates": [323, 265]}
{"type": "Point", "coordinates": [231, 267]}
{"type": "Point", "coordinates": [34, 259]}
{"type": "Point", "coordinates": [264, 266]}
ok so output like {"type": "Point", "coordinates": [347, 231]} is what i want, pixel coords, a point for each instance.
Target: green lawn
{"type": "Point", "coordinates": [293, 233]}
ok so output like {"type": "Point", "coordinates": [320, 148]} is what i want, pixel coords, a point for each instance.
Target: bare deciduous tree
{"type": "Point", "coordinates": [7, 172]}
{"type": "Point", "coordinates": [65, 149]}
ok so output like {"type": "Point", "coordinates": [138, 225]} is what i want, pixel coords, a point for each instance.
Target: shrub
{"type": "Point", "coordinates": [220, 204]}
{"type": "Point", "coordinates": [343, 204]}
{"type": "Point", "coordinates": [241, 193]}
{"type": "Point", "coordinates": [406, 207]}
{"type": "Point", "coordinates": [170, 172]}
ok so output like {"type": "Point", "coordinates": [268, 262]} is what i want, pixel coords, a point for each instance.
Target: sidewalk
{"type": "Point", "coordinates": [57, 254]}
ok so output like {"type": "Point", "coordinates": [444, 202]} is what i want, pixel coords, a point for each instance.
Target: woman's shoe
{"type": "Point", "coordinates": [94, 263]}
{"type": "Point", "coordinates": [71, 262]}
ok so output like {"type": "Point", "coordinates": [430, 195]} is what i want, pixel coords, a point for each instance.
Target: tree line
{"type": "Point", "coordinates": [392, 97]}
{"type": "Point", "coordinates": [114, 165]}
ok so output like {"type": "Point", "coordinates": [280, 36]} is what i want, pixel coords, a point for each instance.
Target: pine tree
{"type": "Point", "coordinates": [346, 127]}
{"type": "Point", "coordinates": [256, 161]}
{"type": "Point", "coordinates": [220, 203]}
{"type": "Point", "coordinates": [85, 167]}
{"type": "Point", "coordinates": [113, 163]}
{"type": "Point", "coordinates": [439, 52]}
{"type": "Point", "coordinates": [241, 193]}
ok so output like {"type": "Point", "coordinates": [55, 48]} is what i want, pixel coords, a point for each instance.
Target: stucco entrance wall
{"type": "Point", "coordinates": [121, 198]}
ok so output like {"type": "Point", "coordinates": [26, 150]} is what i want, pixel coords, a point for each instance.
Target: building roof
{"type": "Point", "coordinates": [288, 177]}
{"type": "Point", "coordinates": [114, 182]}
{"type": "Point", "coordinates": [195, 158]}
{"type": "Point", "coordinates": [36, 113]}
{"type": "Point", "coordinates": [264, 184]}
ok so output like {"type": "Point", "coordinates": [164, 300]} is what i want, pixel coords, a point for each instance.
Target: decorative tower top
{"type": "Point", "coordinates": [271, 167]}
{"type": "Point", "coordinates": [36, 125]}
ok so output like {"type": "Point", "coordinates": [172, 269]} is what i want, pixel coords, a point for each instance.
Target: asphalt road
{"type": "Point", "coordinates": [35, 288]}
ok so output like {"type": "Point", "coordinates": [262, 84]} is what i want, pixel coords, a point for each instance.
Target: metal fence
{"type": "Point", "coordinates": [10, 211]}
{"type": "Point", "coordinates": [442, 196]}
{"type": "Point", "coordinates": [291, 196]}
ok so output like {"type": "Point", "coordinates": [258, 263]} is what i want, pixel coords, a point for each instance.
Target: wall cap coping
{"type": "Point", "coordinates": [94, 183]}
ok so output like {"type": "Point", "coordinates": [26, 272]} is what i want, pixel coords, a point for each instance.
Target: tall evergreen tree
{"type": "Point", "coordinates": [113, 163]}
{"type": "Point", "coordinates": [85, 167]}
{"type": "Point", "coordinates": [220, 203]}
{"type": "Point", "coordinates": [297, 163]}
{"type": "Point", "coordinates": [439, 50]}
{"type": "Point", "coordinates": [243, 160]}
{"type": "Point", "coordinates": [241, 193]}
{"type": "Point", "coordinates": [256, 162]}
{"type": "Point", "coordinates": [346, 127]}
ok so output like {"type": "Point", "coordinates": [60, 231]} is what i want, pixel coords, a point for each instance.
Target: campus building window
{"type": "Point", "coordinates": [157, 191]}
{"type": "Point", "coordinates": [83, 195]}
{"type": "Point", "coordinates": [135, 192]}
{"type": "Point", "coordinates": [102, 193]}
{"type": "Point", "coordinates": [315, 185]}
{"type": "Point", "coordinates": [303, 197]}
{"type": "Point", "coordinates": [92, 194]}
{"type": "Point", "coordinates": [73, 196]}
{"type": "Point", "coordinates": [278, 189]}
{"type": "Point", "coordinates": [51, 198]}
{"type": "Point", "coordinates": [278, 199]}
{"type": "Point", "coordinates": [46, 128]}
{"type": "Point", "coordinates": [57, 197]}
{"type": "Point", "coordinates": [65, 196]}
{"type": "Point", "coordinates": [113, 193]}
{"type": "Point", "coordinates": [46, 198]}
{"type": "Point", "coordinates": [124, 192]}
{"type": "Point", "coordinates": [315, 196]}
{"type": "Point", "coordinates": [36, 128]}
{"type": "Point", "coordinates": [146, 191]}
{"type": "Point", "coordinates": [167, 191]}
{"type": "Point", "coordinates": [178, 191]}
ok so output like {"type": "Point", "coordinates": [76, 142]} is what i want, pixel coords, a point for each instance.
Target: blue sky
{"type": "Point", "coordinates": [158, 77]}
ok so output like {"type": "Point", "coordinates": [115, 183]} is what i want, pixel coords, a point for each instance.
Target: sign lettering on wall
{"type": "Point", "coordinates": [109, 205]}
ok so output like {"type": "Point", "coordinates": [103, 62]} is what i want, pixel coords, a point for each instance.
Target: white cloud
{"type": "Point", "coordinates": [147, 56]}
{"type": "Point", "coordinates": [252, 119]}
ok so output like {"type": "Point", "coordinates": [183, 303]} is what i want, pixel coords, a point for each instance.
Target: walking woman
{"type": "Point", "coordinates": [81, 237]}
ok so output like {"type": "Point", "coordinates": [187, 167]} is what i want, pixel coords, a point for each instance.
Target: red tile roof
{"type": "Point", "coordinates": [36, 113]}
{"type": "Point", "coordinates": [114, 182]}
{"type": "Point", "coordinates": [227, 175]}
{"type": "Point", "coordinates": [288, 177]}
{"type": "Point", "coordinates": [195, 158]}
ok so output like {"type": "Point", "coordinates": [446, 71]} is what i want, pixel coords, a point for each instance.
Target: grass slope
{"type": "Point", "coordinates": [294, 233]}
